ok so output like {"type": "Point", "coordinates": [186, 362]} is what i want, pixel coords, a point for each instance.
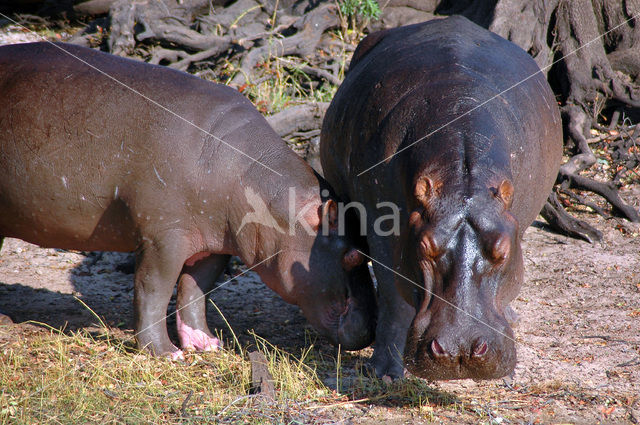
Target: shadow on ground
{"type": "Point", "coordinates": [104, 282]}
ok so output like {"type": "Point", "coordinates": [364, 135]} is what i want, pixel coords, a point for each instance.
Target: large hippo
{"type": "Point", "coordinates": [98, 152]}
{"type": "Point", "coordinates": [458, 128]}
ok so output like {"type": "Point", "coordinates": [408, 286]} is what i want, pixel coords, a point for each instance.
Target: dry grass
{"type": "Point", "coordinates": [282, 82]}
{"type": "Point", "coordinates": [51, 376]}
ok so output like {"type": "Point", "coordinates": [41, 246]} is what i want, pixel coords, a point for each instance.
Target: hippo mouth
{"type": "Point", "coordinates": [356, 327]}
{"type": "Point", "coordinates": [429, 361]}
{"type": "Point", "coordinates": [477, 351]}
{"type": "Point", "coordinates": [348, 324]}
{"type": "Point", "coordinates": [356, 319]}
{"type": "Point", "coordinates": [349, 320]}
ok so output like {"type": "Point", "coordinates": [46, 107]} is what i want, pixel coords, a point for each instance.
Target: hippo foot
{"type": "Point", "coordinates": [196, 340]}
{"type": "Point", "coordinates": [5, 320]}
{"type": "Point", "coordinates": [176, 355]}
{"type": "Point", "coordinates": [386, 368]}
{"type": "Point", "coordinates": [387, 379]}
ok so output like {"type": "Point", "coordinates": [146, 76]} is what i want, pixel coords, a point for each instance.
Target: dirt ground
{"type": "Point", "coordinates": [579, 333]}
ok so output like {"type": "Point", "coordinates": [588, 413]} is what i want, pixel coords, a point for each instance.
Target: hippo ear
{"type": "Point", "coordinates": [352, 259]}
{"type": "Point", "coordinates": [505, 193]}
{"type": "Point", "coordinates": [425, 189]}
{"type": "Point", "coordinates": [329, 215]}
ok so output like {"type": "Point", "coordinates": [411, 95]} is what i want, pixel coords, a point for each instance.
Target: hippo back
{"type": "Point", "coordinates": [438, 79]}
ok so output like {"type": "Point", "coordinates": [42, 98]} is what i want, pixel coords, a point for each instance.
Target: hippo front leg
{"type": "Point", "coordinates": [394, 313]}
{"type": "Point", "coordinates": [158, 266]}
{"type": "Point", "coordinates": [191, 315]}
{"type": "Point", "coordinates": [394, 320]}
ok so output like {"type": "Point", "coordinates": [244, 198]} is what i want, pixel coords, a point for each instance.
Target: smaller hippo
{"type": "Point", "coordinates": [458, 128]}
{"type": "Point", "coordinates": [104, 153]}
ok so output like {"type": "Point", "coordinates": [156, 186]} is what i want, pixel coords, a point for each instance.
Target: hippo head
{"type": "Point", "coordinates": [324, 274]}
{"type": "Point", "coordinates": [469, 261]}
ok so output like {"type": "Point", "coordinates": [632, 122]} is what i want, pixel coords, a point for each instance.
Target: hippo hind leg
{"type": "Point", "coordinates": [196, 281]}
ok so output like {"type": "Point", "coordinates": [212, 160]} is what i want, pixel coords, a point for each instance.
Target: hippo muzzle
{"type": "Point", "coordinates": [449, 342]}
{"type": "Point", "coordinates": [358, 321]}
{"type": "Point", "coordinates": [356, 328]}
{"type": "Point", "coordinates": [351, 321]}
{"type": "Point", "coordinates": [441, 357]}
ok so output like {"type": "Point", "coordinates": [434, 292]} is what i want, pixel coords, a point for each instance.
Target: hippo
{"type": "Point", "coordinates": [459, 129]}
{"type": "Point", "coordinates": [102, 153]}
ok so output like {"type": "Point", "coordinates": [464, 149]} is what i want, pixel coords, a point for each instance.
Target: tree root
{"type": "Point", "coordinates": [608, 191]}
{"type": "Point", "coordinates": [562, 222]}
{"type": "Point", "coordinates": [309, 27]}
{"type": "Point", "coordinates": [568, 177]}
{"type": "Point", "coordinates": [298, 118]}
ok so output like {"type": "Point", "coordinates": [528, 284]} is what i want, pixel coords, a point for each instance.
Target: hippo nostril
{"type": "Point", "coordinates": [437, 349]}
{"type": "Point", "coordinates": [480, 349]}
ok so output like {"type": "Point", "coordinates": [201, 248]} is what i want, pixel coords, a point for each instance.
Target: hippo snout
{"type": "Point", "coordinates": [357, 324]}
{"type": "Point", "coordinates": [356, 327]}
{"type": "Point", "coordinates": [347, 315]}
{"type": "Point", "coordinates": [349, 324]}
{"type": "Point", "coordinates": [455, 351]}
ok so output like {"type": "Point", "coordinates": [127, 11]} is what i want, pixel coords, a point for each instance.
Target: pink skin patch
{"type": "Point", "coordinates": [195, 258]}
{"type": "Point", "coordinates": [195, 339]}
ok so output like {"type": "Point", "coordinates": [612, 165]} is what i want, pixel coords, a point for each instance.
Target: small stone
{"type": "Point", "coordinates": [5, 320]}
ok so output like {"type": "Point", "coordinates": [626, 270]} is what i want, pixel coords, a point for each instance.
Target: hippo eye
{"type": "Point", "coordinates": [416, 220]}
